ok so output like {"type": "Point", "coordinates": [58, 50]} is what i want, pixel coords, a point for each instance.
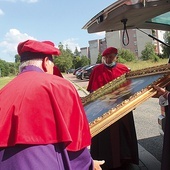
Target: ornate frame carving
{"type": "Point", "coordinates": [131, 97]}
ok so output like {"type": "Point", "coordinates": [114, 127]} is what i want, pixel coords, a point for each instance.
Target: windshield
{"type": "Point", "coordinates": [161, 19]}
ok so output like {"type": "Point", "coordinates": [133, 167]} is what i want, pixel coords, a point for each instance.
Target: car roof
{"type": "Point", "coordinates": [143, 14]}
{"type": "Point", "coordinates": [91, 66]}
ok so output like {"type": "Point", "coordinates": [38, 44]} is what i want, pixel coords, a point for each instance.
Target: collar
{"type": "Point", "coordinates": [31, 68]}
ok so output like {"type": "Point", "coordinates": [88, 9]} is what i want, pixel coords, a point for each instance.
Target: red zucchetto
{"type": "Point", "coordinates": [109, 50]}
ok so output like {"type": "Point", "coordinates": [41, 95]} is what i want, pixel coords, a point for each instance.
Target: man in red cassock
{"type": "Point", "coordinates": [117, 144]}
{"type": "Point", "coordinates": [43, 124]}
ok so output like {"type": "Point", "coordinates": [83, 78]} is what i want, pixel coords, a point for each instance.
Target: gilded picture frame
{"type": "Point", "coordinates": [117, 98]}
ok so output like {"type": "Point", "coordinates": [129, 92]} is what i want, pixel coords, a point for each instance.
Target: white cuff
{"type": "Point", "coordinates": [163, 101]}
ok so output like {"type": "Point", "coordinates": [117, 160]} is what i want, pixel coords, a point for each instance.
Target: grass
{"type": "Point", "coordinates": [5, 80]}
{"type": "Point", "coordinates": [144, 64]}
{"type": "Point", "coordinates": [132, 65]}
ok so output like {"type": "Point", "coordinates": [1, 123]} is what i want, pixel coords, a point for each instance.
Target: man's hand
{"type": "Point", "coordinates": [160, 91]}
{"type": "Point", "coordinates": [97, 164]}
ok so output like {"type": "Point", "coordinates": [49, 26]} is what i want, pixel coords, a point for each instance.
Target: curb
{"type": "Point", "coordinates": [79, 89]}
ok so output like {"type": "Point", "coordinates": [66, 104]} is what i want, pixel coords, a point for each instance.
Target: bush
{"type": "Point", "coordinates": [121, 60]}
{"type": "Point", "coordinates": [149, 53]}
{"type": "Point", "coordinates": [126, 55]}
{"type": "Point", "coordinates": [155, 58]}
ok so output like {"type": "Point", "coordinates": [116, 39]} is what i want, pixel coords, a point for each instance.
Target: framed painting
{"type": "Point", "coordinates": [117, 98]}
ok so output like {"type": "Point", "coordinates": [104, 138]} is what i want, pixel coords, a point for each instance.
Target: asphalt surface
{"type": "Point", "coordinates": [148, 159]}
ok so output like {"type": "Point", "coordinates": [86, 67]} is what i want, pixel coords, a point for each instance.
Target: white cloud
{"type": "Point", "coordinates": [1, 12]}
{"type": "Point", "coordinates": [71, 44]}
{"type": "Point", "coordinates": [8, 47]}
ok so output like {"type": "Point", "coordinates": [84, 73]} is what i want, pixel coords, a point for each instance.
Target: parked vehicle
{"type": "Point", "coordinates": [150, 14]}
{"type": "Point", "coordinates": [74, 73]}
{"type": "Point", "coordinates": [85, 73]}
{"type": "Point", "coordinates": [78, 71]}
{"type": "Point", "coordinates": [70, 70]}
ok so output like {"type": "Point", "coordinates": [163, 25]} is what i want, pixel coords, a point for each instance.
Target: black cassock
{"type": "Point", "coordinates": [117, 144]}
{"type": "Point", "coordinates": [166, 144]}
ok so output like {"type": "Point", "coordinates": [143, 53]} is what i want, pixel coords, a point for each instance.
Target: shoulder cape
{"type": "Point", "coordinates": [38, 108]}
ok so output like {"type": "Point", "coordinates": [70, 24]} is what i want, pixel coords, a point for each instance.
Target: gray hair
{"type": "Point", "coordinates": [33, 62]}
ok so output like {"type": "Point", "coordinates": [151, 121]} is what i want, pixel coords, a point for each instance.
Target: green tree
{"type": "Point", "coordinates": [76, 52]}
{"type": "Point", "coordinates": [165, 49]}
{"type": "Point", "coordinates": [65, 60]}
{"type": "Point", "coordinates": [60, 46]}
{"type": "Point", "coordinates": [125, 55]}
{"type": "Point", "coordinates": [4, 66]}
{"type": "Point", "coordinates": [149, 53]}
{"type": "Point", "coordinates": [84, 61]}
{"type": "Point", "coordinates": [99, 58]}
{"type": "Point", "coordinates": [16, 64]}
{"type": "Point", "coordinates": [12, 69]}
{"type": "Point", "coordinates": [17, 58]}
{"type": "Point", "coordinates": [77, 62]}
{"type": "Point", "coordinates": [76, 59]}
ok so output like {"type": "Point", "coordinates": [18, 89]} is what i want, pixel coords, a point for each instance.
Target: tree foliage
{"type": "Point", "coordinates": [84, 61]}
{"type": "Point", "coordinates": [64, 61]}
{"type": "Point", "coordinates": [4, 68]}
{"type": "Point", "coordinates": [99, 59]}
{"type": "Point", "coordinates": [17, 58]}
{"type": "Point", "coordinates": [77, 62]}
{"type": "Point", "coordinates": [149, 53]}
{"type": "Point", "coordinates": [68, 59]}
{"type": "Point", "coordinates": [76, 52]}
{"type": "Point", "coordinates": [165, 49]}
{"type": "Point", "coordinates": [126, 55]}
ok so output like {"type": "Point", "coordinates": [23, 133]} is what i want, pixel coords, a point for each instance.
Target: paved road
{"type": "Point", "coordinates": [146, 122]}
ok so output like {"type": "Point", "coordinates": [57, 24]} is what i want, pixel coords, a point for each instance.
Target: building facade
{"type": "Point", "coordinates": [84, 51]}
{"type": "Point", "coordinates": [135, 40]}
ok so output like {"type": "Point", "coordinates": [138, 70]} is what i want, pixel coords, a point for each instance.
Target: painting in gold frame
{"type": "Point", "coordinates": [117, 98]}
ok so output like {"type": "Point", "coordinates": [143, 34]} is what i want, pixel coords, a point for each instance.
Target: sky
{"type": "Point", "coordinates": [54, 20]}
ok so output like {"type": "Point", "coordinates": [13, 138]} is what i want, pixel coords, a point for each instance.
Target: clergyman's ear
{"type": "Point", "coordinates": [44, 64]}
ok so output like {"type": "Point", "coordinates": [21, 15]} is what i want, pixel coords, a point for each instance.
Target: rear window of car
{"type": "Point", "coordinates": [161, 19]}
